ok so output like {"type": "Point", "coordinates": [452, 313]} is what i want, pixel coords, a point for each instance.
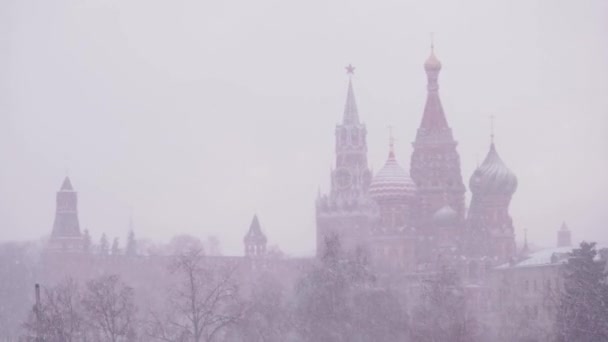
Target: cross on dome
{"type": "Point", "coordinates": [391, 142]}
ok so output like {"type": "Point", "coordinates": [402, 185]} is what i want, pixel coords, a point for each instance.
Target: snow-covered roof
{"type": "Point", "coordinates": [548, 256]}
{"type": "Point", "coordinates": [557, 255]}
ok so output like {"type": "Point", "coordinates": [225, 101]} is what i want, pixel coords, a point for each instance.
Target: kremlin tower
{"type": "Point", "coordinates": [66, 236]}
{"type": "Point", "coordinates": [255, 240]}
{"type": "Point", "coordinates": [346, 210]}
{"type": "Point", "coordinates": [564, 237]}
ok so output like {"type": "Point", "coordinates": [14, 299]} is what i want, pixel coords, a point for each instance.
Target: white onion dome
{"type": "Point", "coordinates": [432, 63]}
{"type": "Point", "coordinates": [493, 177]}
{"type": "Point", "coordinates": [445, 216]}
{"type": "Point", "coordinates": [392, 182]}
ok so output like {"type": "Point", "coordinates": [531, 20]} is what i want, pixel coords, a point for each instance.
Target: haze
{"type": "Point", "coordinates": [197, 115]}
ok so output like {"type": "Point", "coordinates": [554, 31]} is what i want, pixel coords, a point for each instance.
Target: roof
{"type": "Point", "coordinates": [549, 256]}
{"type": "Point", "coordinates": [67, 185]}
{"type": "Point", "coordinates": [255, 234]}
{"type": "Point", "coordinates": [446, 215]}
{"type": "Point", "coordinates": [432, 62]}
{"type": "Point", "coordinates": [434, 125]}
{"type": "Point", "coordinates": [351, 114]}
{"type": "Point", "coordinates": [493, 176]}
{"type": "Point", "coordinates": [392, 181]}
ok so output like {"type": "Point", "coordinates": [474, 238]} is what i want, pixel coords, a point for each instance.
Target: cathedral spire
{"type": "Point", "coordinates": [391, 144]}
{"type": "Point", "coordinates": [351, 115]}
{"type": "Point", "coordinates": [525, 250]}
{"type": "Point", "coordinates": [433, 118]}
{"type": "Point", "coordinates": [492, 129]}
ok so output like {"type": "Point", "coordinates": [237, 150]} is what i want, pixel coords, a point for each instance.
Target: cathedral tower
{"type": "Point", "coordinates": [66, 234]}
{"type": "Point", "coordinates": [392, 240]}
{"type": "Point", "coordinates": [490, 228]}
{"type": "Point", "coordinates": [345, 210]}
{"type": "Point", "coordinates": [435, 164]}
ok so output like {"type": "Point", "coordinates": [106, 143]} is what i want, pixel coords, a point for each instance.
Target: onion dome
{"type": "Point", "coordinates": [432, 63]}
{"type": "Point", "coordinates": [255, 236]}
{"type": "Point", "coordinates": [392, 181]}
{"type": "Point", "coordinates": [493, 177]}
{"type": "Point", "coordinates": [445, 216]}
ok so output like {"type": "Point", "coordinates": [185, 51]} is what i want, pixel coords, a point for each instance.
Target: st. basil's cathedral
{"type": "Point", "coordinates": [417, 221]}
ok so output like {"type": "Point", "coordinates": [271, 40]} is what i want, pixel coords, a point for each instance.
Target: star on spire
{"type": "Point", "coordinates": [350, 69]}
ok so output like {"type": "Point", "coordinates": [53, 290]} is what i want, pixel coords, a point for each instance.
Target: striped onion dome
{"type": "Point", "coordinates": [493, 177]}
{"type": "Point", "coordinates": [392, 181]}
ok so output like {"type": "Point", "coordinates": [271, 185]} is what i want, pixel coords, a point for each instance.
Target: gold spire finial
{"type": "Point", "coordinates": [432, 42]}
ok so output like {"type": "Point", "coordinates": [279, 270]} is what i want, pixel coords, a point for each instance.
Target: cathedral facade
{"type": "Point", "coordinates": [417, 221]}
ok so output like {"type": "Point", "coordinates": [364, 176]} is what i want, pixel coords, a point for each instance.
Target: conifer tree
{"type": "Point", "coordinates": [583, 308]}
{"type": "Point", "coordinates": [115, 247]}
{"type": "Point", "coordinates": [86, 241]}
{"type": "Point", "coordinates": [104, 247]}
{"type": "Point", "coordinates": [131, 248]}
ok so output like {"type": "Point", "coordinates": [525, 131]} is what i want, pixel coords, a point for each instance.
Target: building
{"type": "Point", "coordinates": [418, 221]}
{"type": "Point", "coordinates": [66, 235]}
{"type": "Point", "coordinates": [348, 209]}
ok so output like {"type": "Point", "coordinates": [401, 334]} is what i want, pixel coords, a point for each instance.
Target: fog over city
{"type": "Point", "coordinates": [193, 116]}
{"type": "Point", "coordinates": [315, 171]}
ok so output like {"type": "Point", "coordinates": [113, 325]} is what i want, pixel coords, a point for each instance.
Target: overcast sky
{"type": "Point", "coordinates": [198, 114]}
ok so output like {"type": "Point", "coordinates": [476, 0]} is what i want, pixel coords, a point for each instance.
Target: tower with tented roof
{"type": "Point", "coordinates": [66, 235]}
{"type": "Point", "coordinates": [345, 211]}
{"type": "Point", "coordinates": [255, 240]}
{"type": "Point", "coordinates": [435, 162]}
{"type": "Point", "coordinates": [564, 237]}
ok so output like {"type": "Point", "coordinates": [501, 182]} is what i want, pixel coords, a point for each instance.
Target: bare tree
{"type": "Point", "coordinates": [443, 314]}
{"type": "Point", "coordinates": [59, 317]}
{"type": "Point", "coordinates": [324, 305]}
{"type": "Point", "coordinates": [267, 317]}
{"type": "Point", "coordinates": [202, 302]}
{"type": "Point", "coordinates": [17, 270]}
{"type": "Point", "coordinates": [109, 305]}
